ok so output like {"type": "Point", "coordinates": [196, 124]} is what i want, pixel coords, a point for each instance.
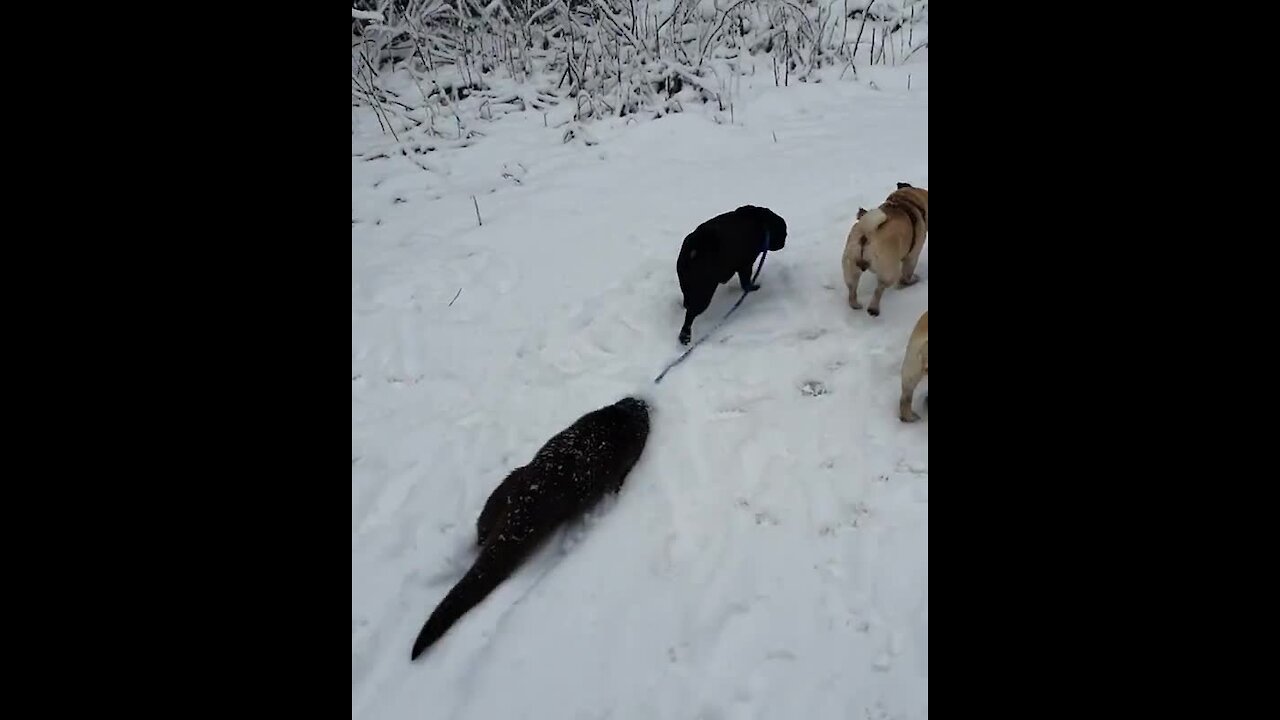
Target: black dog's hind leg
{"type": "Point", "coordinates": [695, 304]}
{"type": "Point", "coordinates": [686, 330]}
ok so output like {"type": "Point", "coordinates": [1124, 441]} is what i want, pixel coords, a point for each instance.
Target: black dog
{"type": "Point", "coordinates": [569, 474]}
{"type": "Point", "coordinates": [719, 248]}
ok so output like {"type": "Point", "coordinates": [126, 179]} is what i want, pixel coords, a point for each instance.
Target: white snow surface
{"type": "Point", "coordinates": [768, 555]}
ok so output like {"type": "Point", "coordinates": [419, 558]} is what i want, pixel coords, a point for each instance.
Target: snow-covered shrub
{"type": "Point", "coordinates": [444, 67]}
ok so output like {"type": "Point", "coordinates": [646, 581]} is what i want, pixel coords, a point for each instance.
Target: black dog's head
{"type": "Point", "coordinates": [772, 221]}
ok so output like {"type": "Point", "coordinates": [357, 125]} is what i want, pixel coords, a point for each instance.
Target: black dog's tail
{"type": "Point", "coordinates": [497, 561]}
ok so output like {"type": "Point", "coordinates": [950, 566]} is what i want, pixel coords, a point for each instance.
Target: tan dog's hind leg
{"type": "Point", "coordinates": [886, 263]}
{"type": "Point", "coordinates": [851, 277]}
{"type": "Point", "coordinates": [914, 367]}
{"type": "Point", "coordinates": [874, 307]}
{"type": "Point", "coordinates": [909, 276]}
{"type": "Point", "coordinates": [885, 279]}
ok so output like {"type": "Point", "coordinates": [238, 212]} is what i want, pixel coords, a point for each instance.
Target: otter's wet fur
{"type": "Point", "coordinates": [566, 477]}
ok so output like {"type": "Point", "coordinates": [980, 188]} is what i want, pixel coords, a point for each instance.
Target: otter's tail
{"type": "Point", "coordinates": [496, 563]}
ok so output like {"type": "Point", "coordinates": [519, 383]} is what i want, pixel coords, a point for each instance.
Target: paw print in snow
{"type": "Point", "coordinates": [813, 388]}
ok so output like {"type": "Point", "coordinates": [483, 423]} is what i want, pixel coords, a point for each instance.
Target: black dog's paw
{"type": "Point", "coordinates": [684, 337]}
{"type": "Point", "coordinates": [752, 288]}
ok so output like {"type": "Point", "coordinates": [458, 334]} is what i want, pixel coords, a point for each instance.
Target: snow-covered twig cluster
{"type": "Point", "coordinates": [459, 63]}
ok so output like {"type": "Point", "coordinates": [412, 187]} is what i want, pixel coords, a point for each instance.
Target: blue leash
{"type": "Point", "coordinates": [685, 354]}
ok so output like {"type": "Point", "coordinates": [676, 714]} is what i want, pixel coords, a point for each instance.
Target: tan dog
{"type": "Point", "coordinates": [888, 241]}
{"type": "Point", "coordinates": [915, 367]}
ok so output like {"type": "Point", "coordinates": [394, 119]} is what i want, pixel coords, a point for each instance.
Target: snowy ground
{"type": "Point", "coordinates": [768, 557]}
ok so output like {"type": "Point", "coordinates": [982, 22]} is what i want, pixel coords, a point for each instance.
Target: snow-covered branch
{"type": "Point", "coordinates": [472, 60]}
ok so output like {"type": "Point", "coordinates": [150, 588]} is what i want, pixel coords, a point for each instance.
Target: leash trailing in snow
{"type": "Point", "coordinates": [685, 354]}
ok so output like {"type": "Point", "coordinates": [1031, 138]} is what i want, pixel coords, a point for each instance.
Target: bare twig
{"type": "Point", "coordinates": [844, 36]}
{"type": "Point", "coordinates": [924, 44]}
{"type": "Point", "coordinates": [702, 52]}
{"type": "Point", "coordinates": [865, 11]}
